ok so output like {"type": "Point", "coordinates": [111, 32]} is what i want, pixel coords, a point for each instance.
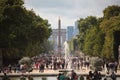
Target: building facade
{"type": "Point", "coordinates": [70, 30]}
{"type": "Point", "coordinates": [76, 30]}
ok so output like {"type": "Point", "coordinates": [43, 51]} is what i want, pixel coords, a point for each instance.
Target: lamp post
{"type": "Point", "coordinates": [119, 54]}
{"type": "Point", "coordinates": [1, 58]}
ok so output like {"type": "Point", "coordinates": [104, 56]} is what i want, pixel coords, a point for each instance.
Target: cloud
{"type": "Point", "coordinates": [68, 10]}
{"type": "Point", "coordinates": [49, 3]}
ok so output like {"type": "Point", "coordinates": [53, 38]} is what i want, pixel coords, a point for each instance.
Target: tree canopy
{"type": "Point", "coordinates": [109, 26]}
{"type": "Point", "coordinates": [84, 25]}
{"type": "Point", "coordinates": [111, 11]}
{"type": "Point", "coordinates": [20, 29]}
{"type": "Point", "coordinates": [97, 35]}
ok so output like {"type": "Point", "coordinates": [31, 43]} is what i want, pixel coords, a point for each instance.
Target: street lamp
{"type": "Point", "coordinates": [119, 54]}
{"type": "Point", "coordinates": [1, 58]}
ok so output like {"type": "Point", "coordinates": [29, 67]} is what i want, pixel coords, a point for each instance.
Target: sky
{"type": "Point", "coordinates": [69, 11]}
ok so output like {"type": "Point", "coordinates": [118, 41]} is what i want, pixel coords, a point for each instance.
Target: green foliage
{"type": "Point", "coordinates": [88, 29]}
{"type": "Point", "coordinates": [47, 46]}
{"type": "Point", "coordinates": [111, 11]}
{"type": "Point", "coordinates": [93, 43]}
{"type": "Point", "coordinates": [96, 36]}
{"type": "Point", "coordinates": [21, 30]}
{"type": "Point", "coordinates": [75, 44]}
{"type": "Point", "coordinates": [96, 63]}
{"type": "Point", "coordinates": [33, 49]}
{"type": "Point", "coordinates": [109, 27]}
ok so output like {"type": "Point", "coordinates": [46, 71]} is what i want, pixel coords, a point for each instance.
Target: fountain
{"type": "Point", "coordinates": [68, 60]}
{"type": "Point", "coordinates": [67, 55]}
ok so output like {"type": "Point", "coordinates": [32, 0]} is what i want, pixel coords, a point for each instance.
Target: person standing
{"type": "Point", "coordinates": [90, 74]}
{"type": "Point", "coordinates": [116, 65]}
{"type": "Point", "coordinates": [58, 78]}
{"type": "Point", "coordinates": [41, 68]}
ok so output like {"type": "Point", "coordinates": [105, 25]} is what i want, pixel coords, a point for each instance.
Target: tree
{"type": "Point", "coordinates": [84, 25]}
{"type": "Point", "coordinates": [98, 37]}
{"type": "Point", "coordinates": [20, 29]}
{"type": "Point", "coordinates": [111, 11]}
{"type": "Point", "coordinates": [109, 26]}
{"type": "Point", "coordinates": [94, 41]}
{"type": "Point", "coordinates": [47, 46]}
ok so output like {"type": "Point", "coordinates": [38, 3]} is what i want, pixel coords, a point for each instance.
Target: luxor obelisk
{"type": "Point", "coordinates": [59, 36]}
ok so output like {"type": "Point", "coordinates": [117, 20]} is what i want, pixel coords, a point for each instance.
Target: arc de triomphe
{"type": "Point", "coordinates": [54, 38]}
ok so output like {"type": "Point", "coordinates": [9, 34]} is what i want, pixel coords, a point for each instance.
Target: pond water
{"type": "Point", "coordinates": [51, 78]}
{"type": "Point", "coordinates": [36, 78]}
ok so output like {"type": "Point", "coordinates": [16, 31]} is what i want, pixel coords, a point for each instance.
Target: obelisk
{"type": "Point", "coordinates": [59, 36]}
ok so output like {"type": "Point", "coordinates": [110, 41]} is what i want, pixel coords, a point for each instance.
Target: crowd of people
{"type": "Point", "coordinates": [55, 62]}
{"type": "Point", "coordinates": [96, 75]}
{"type": "Point", "coordinates": [72, 76]}
{"type": "Point", "coordinates": [45, 62]}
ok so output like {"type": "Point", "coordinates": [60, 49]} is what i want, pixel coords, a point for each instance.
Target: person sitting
{"type": "Point", "coordinates": [62, 76]}
{"type": "Point", "coordinates": [74, 75]}
{"type": "Point", "coordinates": [22, 77]}
{"type": "Point", "coordinates": [107, 76]}
{"type": "Point", "coordinates": [5, 77]}
{"type": "Point", "coordinates": [30, 77]}
{"type": "Point", "coordinates": [81, 77]}
{"type": "Point", "coordinates": [113, 76]}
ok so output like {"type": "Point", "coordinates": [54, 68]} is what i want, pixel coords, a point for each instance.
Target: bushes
{"type": "Point", "coordinates": [96, 63]}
